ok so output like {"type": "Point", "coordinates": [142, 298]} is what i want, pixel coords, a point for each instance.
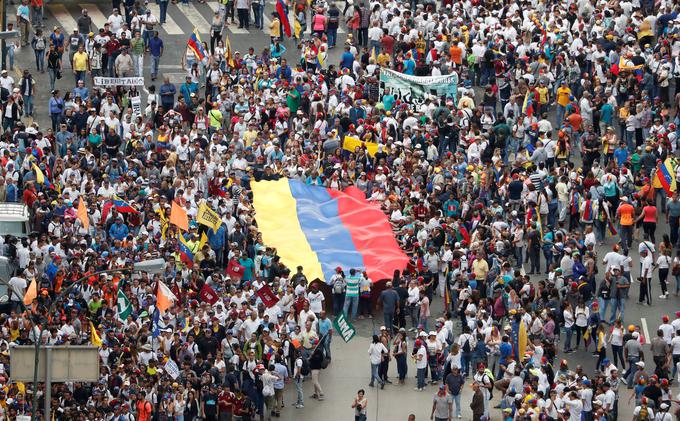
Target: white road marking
{"type": "Point", "coordinates": [98, 18]}
{"type": "Point", "coordinates": [195, 17]}
{"type": "Point", "coordinates": [645, 330]}
{"type": "Point", "coordinates": [62, 16]}
{"type": "Point", "coordinates": [170, 26]}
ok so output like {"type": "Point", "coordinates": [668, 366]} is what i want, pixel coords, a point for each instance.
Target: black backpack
{"type": "Point", "coordinates": [466, 345]}
{"type": "Point", "coordinates": [305, 370]}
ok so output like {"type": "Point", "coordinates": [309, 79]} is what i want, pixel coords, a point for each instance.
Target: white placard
{"type": "Point", "coordinates": [172, 369]}
{"type": "Point", "coordinates": [119, 81]}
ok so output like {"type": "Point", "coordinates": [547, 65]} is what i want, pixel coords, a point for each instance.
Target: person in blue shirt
{"type": "Point", "coordinates": [119, 230]}
{"type": "Point", "coordinates": [167, 92]}
{"type": "Point", "coordinates": [284, 72]}
{"type": "Point", "coordinates": [326, 332]}
{"type": "Point", "coordinates": [248, 268]}
{"type": "Point", "coordinates": [187, 89]}
{"type": "Point", "coordinates": [216, 241]}
{"type": "Point", "coordinates": [11, 191]}
{"type": "Point", "coordinates": [621, 154]}
{"type": "Point", "coordinates": [347, 59]}
{"type": "Point", "coordinates": [81, 90]}
{"type": "Point", "coordinates": [277, 49]}
{"type": "Point", "coordinates": [409, 64]}
{"type": "Point", "coordinates": [156, 49]}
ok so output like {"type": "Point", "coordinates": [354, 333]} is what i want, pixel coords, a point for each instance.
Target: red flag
{"type": "Point", "coordinates": [267, 296]}
{"type": "Point", "coordinates": [208, 294]}
{"type": "Point", "coordinates": [235, 270]}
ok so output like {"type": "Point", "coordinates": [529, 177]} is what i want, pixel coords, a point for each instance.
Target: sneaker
{"type": "Point", "coordinates": [299, 406]}
{"type": "Point", "coordinates": [662, 296]}
{"type": "Point", "coordinates": [624, 380]}
{"type": "Point", "coordinates": [417, 389]}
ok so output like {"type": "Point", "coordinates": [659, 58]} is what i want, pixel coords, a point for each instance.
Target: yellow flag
{"type": "Point", "coordinates": [31, 293]}
{"type": "Point", "coordinates": [351, 143]}
{"type": "Point", "coordinates": [227, 52]}
{"type": "Point", "coordinates": [203, 241]}
{"type": "Point", "coordinates": [94, 336]}
{"type": "Point", "coordinates": [39, 175]}
{"type": "Point", "coordinates": [208, 217]}
{"type": "Point", "coordinates": [521, 340]}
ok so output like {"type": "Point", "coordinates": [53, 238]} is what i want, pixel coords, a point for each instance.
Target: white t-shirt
{"type": "Point", "coordinates": [675, 345]}
{"type": "Point", "coordinates": [422, 354]}
{"type": "Point", "coordinates": [315, 301]}
{"type": "Point", "coordinates": [375, 352]}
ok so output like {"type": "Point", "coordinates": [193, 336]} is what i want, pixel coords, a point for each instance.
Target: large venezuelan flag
{"type": "Point", "coordinates": [320, 229]}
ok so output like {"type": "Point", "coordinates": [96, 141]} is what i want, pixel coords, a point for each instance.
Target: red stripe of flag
{"type": "Point", "coordinates": [283, 16]}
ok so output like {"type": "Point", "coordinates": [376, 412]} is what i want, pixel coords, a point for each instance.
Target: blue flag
{"type": "Point", "coordinates": [156, 328]}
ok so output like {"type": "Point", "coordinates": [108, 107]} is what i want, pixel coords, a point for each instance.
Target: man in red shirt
{"type": "Point", "coordinates": [226, 402]}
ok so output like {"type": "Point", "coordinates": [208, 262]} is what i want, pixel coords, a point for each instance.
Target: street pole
{"type": "Point", "coordinates": [3, 25]}
{"type": "Point", "coordinates": [145, 266]}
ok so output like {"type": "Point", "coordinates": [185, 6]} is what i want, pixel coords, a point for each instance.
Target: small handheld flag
{"type": "Point", "coordinates": [194, 43]}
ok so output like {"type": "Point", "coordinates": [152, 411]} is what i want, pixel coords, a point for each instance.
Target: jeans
{"type": "Point", "coordinates": [465, 359]}
{"type": "Point", "coordinates": [40, 60]}
{"type": "Point", "coordinates": [567, 338]}
{"type": "Point", "coordinates": [28, 105]}
{"type": "Point", "coordinates": [420, 383]}
{"type": "Point", "coordinates": [146, 36]}
{"type": "Point", "coordinates": [374, 374]}
{"type": "Point", "coordinates": [402, 366]}
{"type": "Point", "coordinates": [353, 303]}
{"type": "Point", "coordinates": [338, 301]}
{"type": "Point", "coordinates": [389, 321]}
{"type": "Point", "coordinates": [560, 115]}
{"type": "Point", "coordinates": [155, 60]}
{"type": "Point", "coordinates": [258, 9]}
{"type": "Point", "coordinates": [80, 75]}
{"type": "Point", "coordinates": [298, 389]}
{"type": "Point", "coordinates": [617, 303]}
{"type": "Point", "coordinates": [456, 402]}
{"type": "Point", "coordinates": [603, 307]}
{"type": "Point", "coordinates": [617, 355]}
{"type": "Point", "coordinates": [632, 369]}
{"type": "Point", "coordinates": [163, 6]}
{"type": "Point", "coordinates": [626, 236]}
{"type": "Point", "coordinates": [332, 35]}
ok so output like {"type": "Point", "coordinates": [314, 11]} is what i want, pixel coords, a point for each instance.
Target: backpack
{"type": "Point", "coordinates": [488, 373]}
{"type": "Point", "coordinates": [40, 43]}
{"type": "Point", "coordinates": [466, 345]}
{"type": "Point", "coordinates": [643, 415]}
{"type": "Point", "coordinates": [338, 286]}
{"type": "Point", "coordinates": [305, 370]}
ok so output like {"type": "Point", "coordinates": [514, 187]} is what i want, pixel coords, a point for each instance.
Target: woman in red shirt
{"type": "Point", "coordinates": [648, 217]}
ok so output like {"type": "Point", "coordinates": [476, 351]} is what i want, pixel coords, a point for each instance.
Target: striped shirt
{"type": "Point", "coordinates": [352, 286]}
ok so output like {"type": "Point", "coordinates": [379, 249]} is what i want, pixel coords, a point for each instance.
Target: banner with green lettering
{"type": "Point", "coordinates": [344, 327]}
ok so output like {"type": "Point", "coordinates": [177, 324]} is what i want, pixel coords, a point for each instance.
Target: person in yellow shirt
{"type": "Point", "coordinates": [215, 118]}
{"type": "Point", "coordinates": [563, 98]}
{"type": "Point", "coordinates": [250, 135]}
{"type": "Point", "coordinates": [543, 96]}
{"type": "Point", "coordinates": [275, 27]}
{"type": "Point", "coordinates": [81, 64]}
{"type": "Point", "coordinates": [383, 59]}
{"type": "Point", "coordinates": [480, 268]}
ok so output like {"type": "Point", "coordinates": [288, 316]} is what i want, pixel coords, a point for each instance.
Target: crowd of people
{"type": "Point", "coordinates": [560, 140]}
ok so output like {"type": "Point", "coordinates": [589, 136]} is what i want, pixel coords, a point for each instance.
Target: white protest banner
{"type": "Point", "coordinates": [416, 89]}
{"type": "Point", "coordinates": [119, 81]}
{"type": "Point", "coordinates": [136, 103]}
{"type": "Point", "coordinates": [172, 369]}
